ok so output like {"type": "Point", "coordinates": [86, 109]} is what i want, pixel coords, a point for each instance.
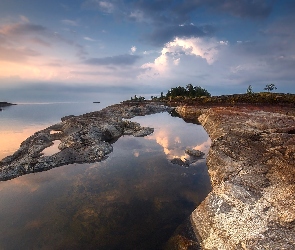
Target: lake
{"type": "Point", "coordinates": [135, 199]}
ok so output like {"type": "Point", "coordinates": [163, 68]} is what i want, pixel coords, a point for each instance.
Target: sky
{"type": "Point", "coordinates": [74, 49]}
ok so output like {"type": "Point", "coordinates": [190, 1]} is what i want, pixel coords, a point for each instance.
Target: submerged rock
{"type": "Point", "coordinates": [180, 162]}
{"type": "Point", "coordinates": [194, 152]}
{"type": "Point", "coordinates": [194, 155]}
{"type": "Point", "coordinates": [83, 139]}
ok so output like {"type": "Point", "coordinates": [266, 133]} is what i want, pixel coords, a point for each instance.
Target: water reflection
{"type": "Point", "coordinates": [51, 149]}
{"type": "Point", "coordinates": [12, 137]}
{"type": "Point", "coordinates": [175, 138]}
{"type": "Point", "coordinates": [19, 122]}
{"type": "Point", "coordinates": [133, 200]}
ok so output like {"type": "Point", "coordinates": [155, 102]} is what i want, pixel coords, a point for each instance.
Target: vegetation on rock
{"type": "Point", "coordinates": [189, 91]}
{"type": "Point", "coordinates": [270, 87]}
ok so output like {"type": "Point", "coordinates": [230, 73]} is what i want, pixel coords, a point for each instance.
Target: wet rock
{"type": "Point", "coordinates": [180, 162]}
{"type": "Point", "coordinates": [84, 139]}
{"type": "Point", "coordinates": [194, 152]}
{"type": "Point", "coordinates": [144, 131]}
{"type": "Point", "coordinates": [110, 131]}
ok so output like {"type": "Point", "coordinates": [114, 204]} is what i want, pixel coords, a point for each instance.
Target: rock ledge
{"type": "Point", "coordinates": [251, 164]}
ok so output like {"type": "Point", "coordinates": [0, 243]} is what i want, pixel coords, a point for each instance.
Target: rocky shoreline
{"type": "Point", "coordinates": [83, 139]}
{"type": "Point", "coordinates": [251, 164]}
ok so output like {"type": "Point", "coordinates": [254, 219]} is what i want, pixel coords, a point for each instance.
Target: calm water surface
{"type": "Point", "coordinates": [19, 122]}
{"type": "Point", "coordinates": [133, 200]}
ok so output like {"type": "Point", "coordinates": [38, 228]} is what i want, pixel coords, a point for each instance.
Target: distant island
{"type": "Point", "coordinates": [5, 104]}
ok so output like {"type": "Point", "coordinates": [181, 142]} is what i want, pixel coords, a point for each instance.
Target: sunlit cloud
{"type": "Point", "coordinates": [133, 49]}
{"type": "Point", "coordinates": [174, 145]}
{"type": "Point", "coordinates": [171, 54]}
{"type": "Point", "coordinates": [205, 146]}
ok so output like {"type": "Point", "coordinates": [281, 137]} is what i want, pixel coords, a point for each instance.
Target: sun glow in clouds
{"type": "Point", "coordinates": [174, 51]}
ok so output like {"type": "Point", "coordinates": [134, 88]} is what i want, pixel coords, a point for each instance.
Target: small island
{"type": "Point", "coordinates": [5, 104]}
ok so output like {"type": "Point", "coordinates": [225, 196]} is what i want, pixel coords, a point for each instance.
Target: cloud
{"type": "Point", "coordinates": [104, 6]}
{"type": "Point", "coordinates": [24, 19]}
{"type": "Point", "coordinates": [120, 60]}
{"type": "Point", "coordinates": [133, 49]}
{"type": "Point", "coordinates": [203, 48]}
{"type": "Point", "coordinates": [70, 22]}
{"type": "Point", "coordinates": [137, 15]}
{"type": "Point", "coordinates": [176, 12]}
{"type": "Point", "coordinates": [243, 8]}
{"type": "Point", "coordinates": [40, 41]}
{"type": "Point", "coordinates": [26, 35]}
{"type": "Point", "coordinates": [165, 34]}
{"type": "Point", "coordinates": [22, 29]}
{"type": "Point", "coordinates": [16, 54]}
{"type": "Point", "coordinates": [88, 39]}
{"type": "Point", "coordinates": [148, 52]}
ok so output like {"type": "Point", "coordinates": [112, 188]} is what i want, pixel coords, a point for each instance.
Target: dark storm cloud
{"type": "Point", "coordinates": [241, 8]}
{"type": "Point", "coordinates": [165, 17]}
{"type": "Point", "coordinates": [180, 11]}
{"type": "Point", "coordinates": [166, 34]}
{"type": "Point", "coordinates": [114, 60]}
{"type": "Point", "coordinates": [277, 39]}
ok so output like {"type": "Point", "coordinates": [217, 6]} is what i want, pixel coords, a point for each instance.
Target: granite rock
{"type": "Point", "coordinates": [251, 164]}
{"type": "Point", "coordinates": [83, 139]}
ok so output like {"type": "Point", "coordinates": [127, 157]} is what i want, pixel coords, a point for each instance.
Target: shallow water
{"type": "Point", "coordinates": [135, 199]}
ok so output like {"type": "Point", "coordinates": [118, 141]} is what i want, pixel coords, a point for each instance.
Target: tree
{"type": "Point", "coordinates": [199, 91]}
{"type": "Point", "coordinates": [270, 87]}
{"type": "Point", "coordinates": [249, 90]}
{"type": "Point", "coordinates": [188, 91]}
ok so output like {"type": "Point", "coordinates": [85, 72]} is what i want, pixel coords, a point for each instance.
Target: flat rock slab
{"type": "Point", "coordinates": [83, 139]}
{"type": "Point", "coordinates": [251, 164]}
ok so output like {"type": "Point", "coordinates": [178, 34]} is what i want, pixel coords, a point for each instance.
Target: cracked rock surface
{"type": "Point", "coordinates": [251, 164]}
{"type": "Point", "coordinates": [83, 139]}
